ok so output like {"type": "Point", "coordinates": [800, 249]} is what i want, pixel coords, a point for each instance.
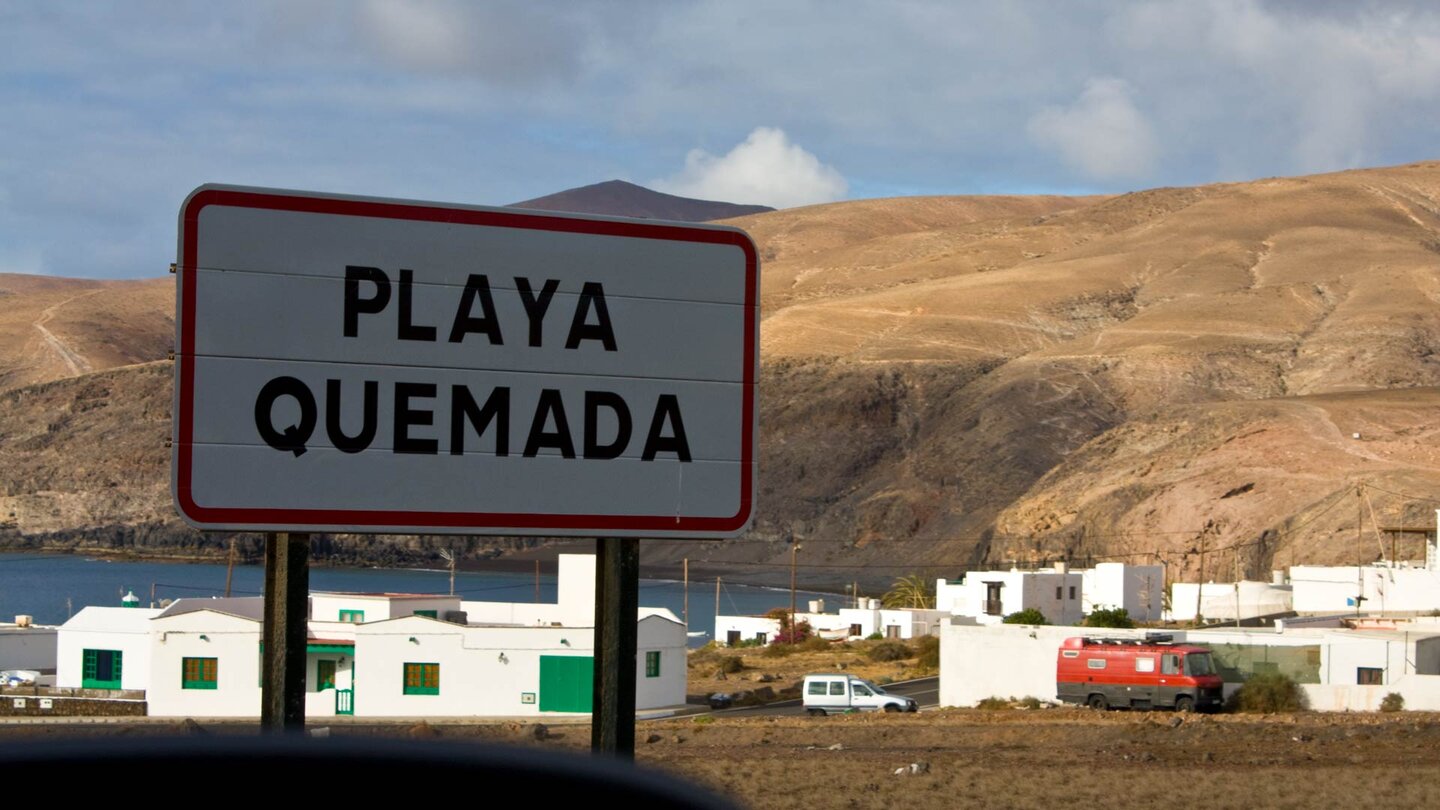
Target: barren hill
{"type": "Point", "coordinates": [52, 328]}
{"type": "Point", "coordinates": [618, 198]}
{"type": "Point", "coordinates": [964, 379]}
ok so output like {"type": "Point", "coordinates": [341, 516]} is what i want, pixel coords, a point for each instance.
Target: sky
{"type": "Point", "coordinates": [114, 111]}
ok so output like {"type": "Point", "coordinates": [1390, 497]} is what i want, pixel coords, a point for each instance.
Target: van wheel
{"type": "Point", "coordinates": [891, 707]}
{"type": "Point", "coordinates": [817, 712]}
{"type": "Point", "coordinates": [1098, 702]}
{"type": "Point", "coordinates": [1184, 703]}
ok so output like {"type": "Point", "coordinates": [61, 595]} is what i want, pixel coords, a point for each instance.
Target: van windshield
{"type": "Point", "coordinates": [873, 688]}
{"type": "Point", "coordinates": [1199, 664]}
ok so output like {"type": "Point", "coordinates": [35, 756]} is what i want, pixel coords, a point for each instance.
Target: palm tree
{"type": "Point", "coordinates": [913, 591]}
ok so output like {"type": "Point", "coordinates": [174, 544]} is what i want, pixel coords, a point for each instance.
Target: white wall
{"type": "Point", "coordinates": [950, 595]}
{"type": "Point", "coordinates": [105, 628]}
{"type": "Point", "coordinates": [485, 671]}
{"type": "Point", "coordinates": [326, 607]}
{"type": "Point", "coordinates": [1346, 651]}
{"type": "Point", "coordinates": [1421, 693]}
{"type": "Point", "coordinates": [31, 648]}
{"type": "Point", "coordinates": [668, 689]}
{"type": "Point", "coordinates": [1005, 660]}
{"type": "Point", "coordinates": [748, 626]}
{"type": "Point", "coordinates": [1333, 589]}
{"type": "Point", "coordinates": [1217, 600]}
{"type": "Point", "coordinates": [1020, 590]}
{"type": "Point", "coordinates": [232, 641]}
{"type": "Point", "coordinates": [575, 605]}
{"type": "Point", "coordinates": [1139, 589]}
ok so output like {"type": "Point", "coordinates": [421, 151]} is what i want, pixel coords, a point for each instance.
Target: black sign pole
{"type": "Point", "coordinates": [287, 598]}
{"type": "Point", "coordinates": [617, 608]}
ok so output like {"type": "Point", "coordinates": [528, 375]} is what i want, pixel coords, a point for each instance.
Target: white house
{"type": "Point", "coordinates": [1380, 588]}
{"type": "Point", "coordinates": [1225, 600]}
{"type": "Point", "coordinates": [990, 596]}
{"type": "Point", "coordinates": [847, 623]}
{"type": "Point", "coordinates": [1339, 669]}
{"type": "Point", "coordinates": [416, 666]}
{"type": "Point", "coordinates": [26, 645]}
{"type": "Point", "coordinates": [375, 654]}
{"type": "Point", "coordinates": [1139, 589]}
{"type": "Point", "coordinates": [355, 608]}
{"type": "Point", "coordinates": [205, 662]}
{"type": "Point", "coordinates": [105, 648]}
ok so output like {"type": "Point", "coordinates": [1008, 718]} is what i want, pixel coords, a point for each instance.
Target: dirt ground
{"type": "Point", "coordinates": [1048, 758]}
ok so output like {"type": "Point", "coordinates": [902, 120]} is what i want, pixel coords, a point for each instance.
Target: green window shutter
{"type": "Point", "coordinates": [101, 669]}
{"type": "Point", "coordinates": [199, 673]}
{"type": "Point", "coordinates": [355, 616]}
{"type": "Point", "coordinates": [652, 664]}
{"type": "Point", "coordinates": [422, 679]}
{"type": "Point", "coordinates": [430, 613]}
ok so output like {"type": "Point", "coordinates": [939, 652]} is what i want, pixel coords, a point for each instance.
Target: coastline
{"type": "Point", "coordinates": [660, 572]}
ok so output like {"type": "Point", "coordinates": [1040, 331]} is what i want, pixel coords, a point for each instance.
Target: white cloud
{"type": "Point", "coordinates": [765, 169]}
{"type": "Point", "coordinates": [1101, 135]}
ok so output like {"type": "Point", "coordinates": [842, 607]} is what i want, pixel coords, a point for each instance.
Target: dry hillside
{"type": "Point", "coordinates": [951, 380]}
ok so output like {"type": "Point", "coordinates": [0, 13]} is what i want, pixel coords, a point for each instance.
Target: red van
{"type": "Point", "coordinates": [1137, 674]}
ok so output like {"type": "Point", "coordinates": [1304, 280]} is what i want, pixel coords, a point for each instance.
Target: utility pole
{"type": "Point", "coordinates": [794, 552]}
{"type": "Point", "coordinates": [537, 582]}
{"type": "Point", "coordinates": [685, 606]}
{"type": "Point", "coordinates": [1237, 587]}
{"type": "Point", "coordinates": [1359, 564]}
{"type": "Point", "coordinates": [717, 609]}
{"type": "Point", "coordinates": [1200, 588]}
{"type": "Point", "coordinates": [230, 568]}
{"type": "Point", "coordinates": [449, 556]}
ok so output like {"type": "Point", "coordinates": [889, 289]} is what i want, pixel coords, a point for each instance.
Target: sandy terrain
{"type": "Point", "coordinates": [1008, 758]}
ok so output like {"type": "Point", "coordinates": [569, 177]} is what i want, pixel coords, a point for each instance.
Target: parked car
{"type": "Point", "coordinates": [828, 694]}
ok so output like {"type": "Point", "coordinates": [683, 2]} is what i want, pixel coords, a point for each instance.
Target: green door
{"type": "Point", "coordinates": [566, 683]}
{"type": "Point", "coordinates": [344, 701]}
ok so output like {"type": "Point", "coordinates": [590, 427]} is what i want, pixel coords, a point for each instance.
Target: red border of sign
{"type": "Point", "coordinates": [396, 519]}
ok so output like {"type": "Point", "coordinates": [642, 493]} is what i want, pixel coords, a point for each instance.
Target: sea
{"type": "Point", "coordinates": [53, 587]}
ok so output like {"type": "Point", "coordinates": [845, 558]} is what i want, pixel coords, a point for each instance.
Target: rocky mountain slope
{"type": "Point", "coordinates": [1246, 367]}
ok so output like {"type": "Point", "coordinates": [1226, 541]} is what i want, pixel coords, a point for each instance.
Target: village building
{"type": "Point", "coordinates": [850, 623]}
{"type": "Point", "coordinates": [27, 647]}
{"type": "Point", "coordinates": [1228, 601]}
{"type": "Point", "coordinates": [376, 655]}
{"type": "Point", "coordinates": [1339, 668]}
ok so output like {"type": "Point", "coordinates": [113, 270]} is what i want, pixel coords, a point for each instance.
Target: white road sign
{"type": "Point", "coordinates": [368, 365]}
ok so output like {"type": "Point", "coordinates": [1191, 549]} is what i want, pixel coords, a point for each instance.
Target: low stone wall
{"type": "Point", "coordinates": [45, 701]}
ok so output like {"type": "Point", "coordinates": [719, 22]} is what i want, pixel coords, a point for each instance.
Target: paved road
{"type": "Point", "coordinates": [925, 691]}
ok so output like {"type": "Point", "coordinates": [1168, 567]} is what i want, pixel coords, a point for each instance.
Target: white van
{"type": "Point", "coordinates": [827, 694]}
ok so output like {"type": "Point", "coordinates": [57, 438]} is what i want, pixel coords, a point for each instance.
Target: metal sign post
{"type": "Point", "coordinates": [617, 605]}
{"type": "Point", "coordinates": [287, 594]}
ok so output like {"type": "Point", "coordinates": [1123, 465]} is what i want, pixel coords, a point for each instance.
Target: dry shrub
{"type": "Point", "coordinates": [1393, 702]}
{"type": "Point", "coordinates": [1268, 693]}
{"type": "Point", "coordinates": [814, 644]}
{"type": "Point", "coordinates": [731, 664]}
{"type": "Point", "coordinates": [927, 651]}
{"type": "Point", "coordinates": [889, 651]}
{"type": "Point", "coordinates": [991, 704]}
